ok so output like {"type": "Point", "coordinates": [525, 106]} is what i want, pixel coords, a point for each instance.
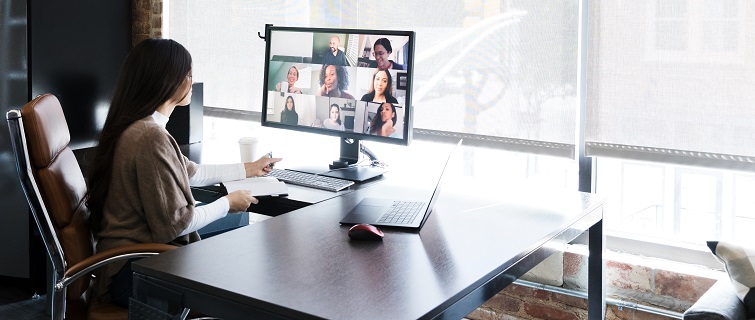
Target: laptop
{"type": "Point", "coordinates": [398, 213]}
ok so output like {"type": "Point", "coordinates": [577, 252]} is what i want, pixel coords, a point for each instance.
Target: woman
{"type": "Point", "coordinates": [289, 115]}
{"type": "Point", "coordinates": [382, 50]}
{"type": "Point", "coordinates": [333, 81]}
{"type": "Point", "coordinates": [380, 88]}
{"type": "Point", "coordinates": [334, 121]}
{"type": "Point", "coordinates": [139, 181]}
{"type": "Point", "coordinates": [291, 78]}
{"type": "Point", "coordinates": [383, 122]}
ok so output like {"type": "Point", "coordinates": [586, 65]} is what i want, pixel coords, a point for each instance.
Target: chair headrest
{"type": "Point", "coordinates": [46, 129]}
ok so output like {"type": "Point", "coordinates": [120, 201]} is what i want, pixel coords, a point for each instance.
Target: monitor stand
{"type": "Point", "coordinates": [357, 174]}
{"type": "Point", "coordinates": [342, 169]}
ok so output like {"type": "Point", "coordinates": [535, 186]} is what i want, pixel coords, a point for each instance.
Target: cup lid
{"type": "Point", "coordinates": [248, 140]}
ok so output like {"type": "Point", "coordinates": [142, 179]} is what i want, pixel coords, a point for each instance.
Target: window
{"type": "Point", "coordinates": [676, 93]}
{"type": "Point", "coordinates": [690, 107]}
{"type": "Point", "coordinates": [677, 204]}
{"type": "Point", "coordinates": [668, 93]}
{"type": "Point", "coordinates": [682, 30]}
{"type": "Point", "coordinates": [351, 54]}
{"type": "Point", "coordinates": [504, 70]}
{"type": "Point", "coordinates": [491, 165]}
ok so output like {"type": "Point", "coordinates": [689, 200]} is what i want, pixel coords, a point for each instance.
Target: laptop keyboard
{"type": "Point", "coordinates": [310, 180]}
{"type": "Point", "coordinates": [402, 212]}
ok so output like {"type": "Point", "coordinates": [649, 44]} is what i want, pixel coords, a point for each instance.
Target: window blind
{"type": "Point", "coordinates": [351, 52]}
{"type": "Point", "coordinates": [504, 71]}
{"type": "Point", "coordinates": [672, 81]}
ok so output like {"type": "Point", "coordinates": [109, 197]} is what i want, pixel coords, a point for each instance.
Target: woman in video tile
{"type": "Point", "coordinates": [291, 78]}
{"type": "Point", "coordinates": [381, 88]}
{"type": "Point", "coordinates": [289, 115]}
{"type": "Point", "coordinates": [383, 122]}
{"type": "Point", "coordinates": [333, 81]}
{"type": "Point", "coordinates": [382, 50]}
{"type": "Point", "coordinates": [334, 122]}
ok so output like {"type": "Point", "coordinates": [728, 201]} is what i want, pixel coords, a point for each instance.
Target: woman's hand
{"type": "Point", "coordinates": [278, 86]}
{"type": "Point", "coordinates": [240, 200]}
{"type": "Point", "coordinates": [323, 90]}
{"type": "Point", "coordinates": [260, 167]}
{"type": "Point", "coordinates": [386, 128]}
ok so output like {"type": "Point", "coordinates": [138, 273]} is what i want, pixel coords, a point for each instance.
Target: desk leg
{"type": "Point", "coordinates": [596, 268]}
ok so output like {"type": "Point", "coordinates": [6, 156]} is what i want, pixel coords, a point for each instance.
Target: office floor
{"type": "Point", "coordinates": [16, 302]}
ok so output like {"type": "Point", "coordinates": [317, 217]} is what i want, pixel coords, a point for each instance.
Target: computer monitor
{"type": "Point", "coordinates": [352, 83]}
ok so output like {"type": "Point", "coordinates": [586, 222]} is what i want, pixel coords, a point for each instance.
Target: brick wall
{"type": "Point", "coordinates": [146, 18]}
{"type": "Point", "coordinates": [658, 284]}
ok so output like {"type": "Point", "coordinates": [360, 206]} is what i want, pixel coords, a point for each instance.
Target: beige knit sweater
{"type": "Point", "coordinates": [149, 200]}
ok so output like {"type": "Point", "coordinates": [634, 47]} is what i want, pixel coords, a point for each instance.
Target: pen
{"type": "Point", "coordinates": [270, 155]}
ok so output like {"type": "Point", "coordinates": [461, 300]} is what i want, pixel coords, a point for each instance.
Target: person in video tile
{"type": "Point", "coordinates": [334, 55]}
{"type": "Point", "coordinates": [291, 78]}
{"type": "Point", "coordinates": [289, 115]}
{"type": "Point", "coordinates": [382, 50]}
{"type": "Point", "coordinates": [334, 121]}
{"type": "Point", "coordinates": [383, 122]}
{"type": "Point", "coordinates": [380, 88]}
{"type": "Point", "coordinates": [333, 81]}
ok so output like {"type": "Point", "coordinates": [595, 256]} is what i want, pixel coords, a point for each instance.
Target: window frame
{"type": "Point", "coordinates": [695, 41]}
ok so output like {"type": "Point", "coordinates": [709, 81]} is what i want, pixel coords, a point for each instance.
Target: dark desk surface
{"type": "Point", "coordinates": [303, 265]}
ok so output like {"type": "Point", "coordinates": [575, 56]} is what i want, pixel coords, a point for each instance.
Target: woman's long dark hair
{"type": "Point", "coordinates": [154, 71]}
{"type": "Point", "coordinates": [293, 106]}
{"type": "Point", "coordinates": [377, 121]}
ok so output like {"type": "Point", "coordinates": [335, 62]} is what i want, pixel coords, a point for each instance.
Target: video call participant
{"type": "Point", "coordinates": [380, 88]}
{"type": "Point", "coordinates": [289, 115]}
{"type": "Point", "coordinates": [382, 49]}
{"type": "Point", "coordinates": [139, 181]}
{"type": "Point", "coordinates": [334, 56]}
{"type": "Point", "coordinates": [334, 120]}
{"type": "Point", "coordinates": [291, 78]}
{"type": "Point", "coordinates": [383, 122]}
{"type": "Point", "coordinates": [333, 81]}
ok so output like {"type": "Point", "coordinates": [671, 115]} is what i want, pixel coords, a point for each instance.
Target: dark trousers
{"type": "Point", "coordinates": [123, 285]}
{"type": "Point", "coordinates": [123, 282]}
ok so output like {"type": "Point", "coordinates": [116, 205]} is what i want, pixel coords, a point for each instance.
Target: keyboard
{"type": "Point", "coordinates": [310, 180]}
{"type": "Point", "coordinates": [402, 212]}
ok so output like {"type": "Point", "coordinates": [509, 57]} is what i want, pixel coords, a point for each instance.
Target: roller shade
{"type": "Point", "coordinates": [672, 81]}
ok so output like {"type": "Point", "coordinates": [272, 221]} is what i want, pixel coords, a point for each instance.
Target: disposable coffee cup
{"type": "Point", "coordinates": [249, 149]}
{"type": "Point", "coordinates": [284, 86]}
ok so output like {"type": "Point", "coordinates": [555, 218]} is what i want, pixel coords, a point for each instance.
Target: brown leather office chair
{"type": "Point", "coordinates": [56, 191]}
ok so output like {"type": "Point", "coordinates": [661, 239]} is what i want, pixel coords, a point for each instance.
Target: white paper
{"type": "Point", "coordinates": [259, 186]}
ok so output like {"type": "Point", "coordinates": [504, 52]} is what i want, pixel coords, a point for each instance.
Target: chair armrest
{"type": "Point", "coordinates": [84, 267]}
{"type": "Point", "coordinates": [719, 302]}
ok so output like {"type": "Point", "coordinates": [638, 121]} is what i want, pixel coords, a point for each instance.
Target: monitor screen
{"type": "Point", "coordinates": [351, 83]}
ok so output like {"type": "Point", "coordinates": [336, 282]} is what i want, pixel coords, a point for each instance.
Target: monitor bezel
{"type": "Point", "coordinates": [409, 109]}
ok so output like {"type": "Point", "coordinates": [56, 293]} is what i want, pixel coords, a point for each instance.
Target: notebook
{"type": "Point", "coordinates": [259, 186]}
{"type": "Point", "coordinates": [400, 213]}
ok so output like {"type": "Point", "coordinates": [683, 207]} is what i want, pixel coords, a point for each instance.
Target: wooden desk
{"type": "Point", "coordinates": [302, 264]}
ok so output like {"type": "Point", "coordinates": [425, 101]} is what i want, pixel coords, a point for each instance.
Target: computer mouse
{"type": "Point", "coordinates": [366, 232]}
